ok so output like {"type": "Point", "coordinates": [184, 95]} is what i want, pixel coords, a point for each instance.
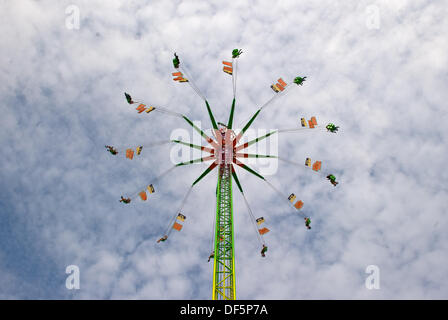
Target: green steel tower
{"type": "Point", "coordinates": [224, 260]}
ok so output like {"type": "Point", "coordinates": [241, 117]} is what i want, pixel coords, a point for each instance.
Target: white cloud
{"type": "Point", "coordinates": [62, 101]}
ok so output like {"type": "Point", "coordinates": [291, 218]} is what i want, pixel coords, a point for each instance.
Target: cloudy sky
{"type": "Point", "coordinates": [378, 69]}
